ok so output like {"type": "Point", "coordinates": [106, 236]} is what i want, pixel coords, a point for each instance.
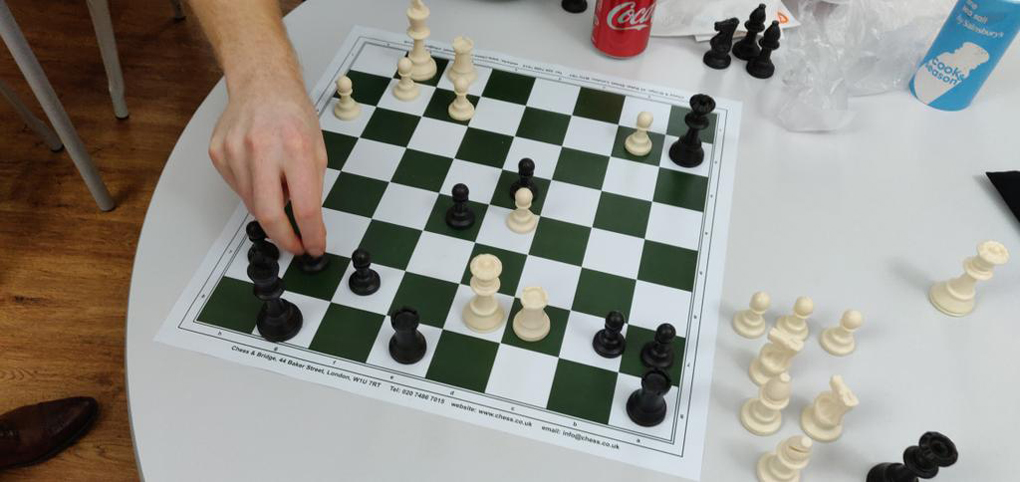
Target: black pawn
{"type": "Point", "coordinates": [647, 405]}
{"type": "Point", "coordinates": [259, 243]}
{"type": "Point", "coordinates": [310, 264]}
{"type": "Point", "coordinates": [658, 353]}
{"type": "Point", "coordinates": [364, 280]}
{"type": "Point", "coordinates": [278, 319]}
{"type": "Point", "coordinates": [609, 342]}
{"type": "Point", "coordinates": [687, 151]}
{"type": "Point", "coordinates": [574, 6]}
{"type": "Point", "coordinates": [719, 56]}
{"type": "Point", "coordinates": [761, 67]}
{"type": "Point", "coordinates": [407, 345]}
{"type": "Point", "coordinates": [526, 170]}
{"type": "Point", "coordinates": [460, 216]}
{"type": "Point", "coordinates": [923, 460]}
{"type": "Point", "coordinates": [747, 47]}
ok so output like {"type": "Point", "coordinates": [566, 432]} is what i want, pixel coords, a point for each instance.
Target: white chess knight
{"type": "Point", "coordinates": [424, 64]}
{"type": "Point", "coordinates": [522, 220]}
{"type": "Point", "coordinates": [638, 143]}
{"type": "Point", "coordinates": [775, 357]}
{"type": "Point", "coordinates": [839, 340]}
{"type": "Point", "coordinates": [406, 89]}
{"type": "Point", "coordinates": [484, 313]}
{"type": "Point", "coordinates": [823, 419]}
{"type": "Point", "coordinates": [532, 323]}
{"type": "Point", "coordinates": [956, 297]}
{"type": "Point", "coordinates": [346, 108]}
{"type": "Point", "coordinates": [786, 463]}
{"type": "Point", "coordinates": [463, 64]}
{"type": "Point", "coordinates": [796, 323]}
{"type": "Point", "coordinates": [750, 323]}
{"type": "Point", "coordinates": [461, 108]}
{"type": "Point", "coordinates": [763, 415]}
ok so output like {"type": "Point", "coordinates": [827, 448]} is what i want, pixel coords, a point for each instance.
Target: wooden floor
{"type": "Point", "coordinates": [65, 267]}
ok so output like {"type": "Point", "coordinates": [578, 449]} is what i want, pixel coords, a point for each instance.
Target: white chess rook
{"type": "Point", "coordinates": [823, 419]}
{"type": "Point", "coordinates": [424, 65]}
{"type": "Point", "coordinates": [406, 89]}
{"type": "Point", "coordinates": [532, 323]}
{"type": "Point", "coordinates": [461, 108]}
{"type": "Point", "coordinates": [463, 63]}
{"type": "Point", "coordinates": [522, 220]}
{"type": "Point", "coordinates": [796, 323]}
{"type": "Point", "coordinates": [839, 340]}
{"type": "Point", "coordinates": [762, 415]}
{"type": "Point", "coordinates": [484, 314]}
{"type": "Point", "coordinates": [638, 143]}
{"type": "Point", "coordinates": [346, 108]}
{"type": "Point", "coordinates": [750, 323]}
{"type": "Point", "coordinates": [775, 357]}
{"type": "Point", "coordinates": [786, 463]}
{"type": "Point", "coordinates": [956, 296]}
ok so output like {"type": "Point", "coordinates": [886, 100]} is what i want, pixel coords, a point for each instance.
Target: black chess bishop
{"type": "Point", "coordinates": [747, 48]}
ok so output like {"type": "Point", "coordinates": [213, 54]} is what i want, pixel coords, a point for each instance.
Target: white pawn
{"type": "Point", "coordinates": [762, 415]}
{"type": "Point", "coordinates": [785, 464]}
{"type": "Point", "coordinates": [750, 323]}
{"type": "Point", "coordinates": [461, 108]}
{"type": "Point", "coordinates": [796, 324]}
{"type": "Point", "coordinates": [638, 143]}
{"type": "Point", "coordinates": [463, 66]}
{"type": "Point", "coordinates": [405, 89]}
{"type": "Point", "coordinates": [483, 313]}
{"type": "Point", "coordinates": [956, 296]}
{"type": "Point", "coordinates": [346, 108]}
{"type": "Point", "coordinates": [823, 419]}
{"type": "Point", "coordinates": [522, 220]}
{"type": "Point", "coordinates": [775, 357]}
{"type": "Point", "coordinates": [532, 323]}
{"type": "Point", "coordinates": [839, 340]}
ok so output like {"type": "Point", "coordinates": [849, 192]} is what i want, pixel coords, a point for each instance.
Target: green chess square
{"type": "Point", "coordinates": [599, 105]}
{"type": "Point", "coordinates": [630, 362]}
{"type": "Point", "coordinates": [484, 147]}
{"type": "Point", "coordinates": [338, 148]}
{"type": "Point", "coordinates": [622, 214]}
{"type": "Point", "coordinates": [347, 333]}
{"type": "Point", "coordinates": [391, 127]}
{"type": "Point", "coordinates": [463, 361]}
{"type": "Point", "coordinates": [232, 306]}
{"type": "Point", "coordinates": [355, 194]}
{"type": "Point", "coordinates": [434, 81]}
{"type": "Point", "coordinates": [668, 265]}
{"type": "Point", "coordinates": [509, 87]}
{"type": "Point", "coordinates": [502, 196]}
{"type": "Point", "coordinates": [599, 293]}
{"type": "Point", "coordinates": [513, 268]}
{"type": "Point", "coordinates": [582, 391]}
{"type": "Point", "coordinates": [681, 189]}
{"type": "Point", "coordinates": [560, 241]}
{"type": "Point", "coordinates": [321, 285]}
{"type": "Point", "coordinates": [422, 170]}
{"type": "Point", "coordinates": [550, 345]}
{"type": "Point", "coordinates": [677, 127]}
{"type": "Point", "coordinates": [389, 244]}
{"type": "Point", "coordinates": [437, 219]}
{"type": "Point", "coordinates": [581, 168]}
{"type": "Point", "coordinates": [368, 88]}
{"type": "Point", "coordinates": [544, 126]}
{"type": "Point", "coordinates": [620, 148]}
{"type": "Point", "coordinates": [432, 298]}
{"type": "Point", "coordinates": [439, 106]}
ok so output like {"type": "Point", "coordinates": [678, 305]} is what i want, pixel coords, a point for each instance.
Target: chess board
{"type": "Point", "coordinates": [616, 232]}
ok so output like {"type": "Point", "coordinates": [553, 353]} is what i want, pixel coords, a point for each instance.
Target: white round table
{"type": "Point", "coordinates": [863, 218]}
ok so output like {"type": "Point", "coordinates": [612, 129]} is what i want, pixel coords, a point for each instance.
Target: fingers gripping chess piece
{"type": "Point", "coordinates": [532, 323]}
{"type": "Point", "coordinates": [484, 314]}
{"type": "Point", "coordinates": [638, 143]}
{"type": "Point", "coordinates": [424, 66]}
{"type": "Point", "coordinates": [463, 65]}
{"type": "Point", "coordinates": [775, 357]}
{"type": "Point", "coordinates": [786, 463]}
{"type": "Point", "coordinates": [839, 340]}
{"type": "Point", "coordinates": [796, 324]}
{"type": "Point", "coordinates": [461, 108]}
{"type": "Point", "coordinates": [823, 419]}
{"type": "Point", "coordinates": [346, 108]}
{"type": "Point", "coordinates": [956, 296]}
{"type": "Point", "coordinates": [763, 414]}
{"type": "Point", "coordinates": [750, 323]}
{"type": "Point", "coordinates": [406, 89]}
{"type": "Point", "coordinates": [522, 220]}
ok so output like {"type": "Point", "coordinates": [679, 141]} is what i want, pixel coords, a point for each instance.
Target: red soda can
{"type": "Point", "coordinates": [622, 27]}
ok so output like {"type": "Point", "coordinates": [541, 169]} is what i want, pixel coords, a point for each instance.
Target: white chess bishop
{"type": "Point", "coordinates": [956, 296]}
{"type": "Point", "coordinates": [775, 357]}
{"type": "Point", "coordinates": [823, 419]}
{"type": "Point", "coordinates": [532, 323]}
{"type": "Point", "coordinates": [406, 89]}
{"type": "Point", "coordinates": [796, 323]}
{"type": "Point", "coordinates": [763, 415]}
{"type": "Point", "coordinates": [522, 220]}
{"type": "Point", "coordinates": [484, 313]}
{"type": "Point", "coordinates": [346, 108]}
{"type": "Point", "coordinates": [839, 340]}
{"type": "Point", "coordinates": [638, 143]}
{"type": "Point", "coordinates": [750, 323]}
{"type": "Point", "coordinates": [786, 463]}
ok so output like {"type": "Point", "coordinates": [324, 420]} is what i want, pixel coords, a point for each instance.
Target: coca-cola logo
{"type": "Point", "coordinates": [626, 16]}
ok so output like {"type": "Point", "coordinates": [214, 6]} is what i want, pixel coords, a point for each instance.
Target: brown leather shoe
{"type": "Point", "coordinates": [35, 433]}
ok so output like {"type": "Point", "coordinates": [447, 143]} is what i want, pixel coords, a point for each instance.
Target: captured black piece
{"type": "Point", "coordinates": [719, 55]}
{"type": "Point", "coordinates": [761, 67]}
{"type": "Point", "coordinates": [574, 6]}
{"type": "Point", "coordinates": [923, 460]}
{"type": "Point", "coordinates": [747, 47]}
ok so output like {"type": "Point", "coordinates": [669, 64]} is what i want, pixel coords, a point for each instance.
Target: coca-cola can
{"type": "Point", "coordinates": [622, 27]}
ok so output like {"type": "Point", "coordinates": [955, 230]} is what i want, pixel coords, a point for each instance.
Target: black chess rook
{"type": "Point", "coordinates": [259, 242]}
{"type": "Point", "coordinates": [278, 320]}
{"type": "Point", "coordinates": [923, 460]}
{"type": "Point", "coordinates": [719, 55]}
{"type": "Point", "coordinates": [460, 215]}
{"type": "Point", "coordinates": [747, 48]}
{"type": "Point", "coordinates": [688, 151]}
{"type": "Point", "coordinates": [658, 353]}
{"type": "Point", "coordinates": [761, 67]}
{"type": "Point", "coordinates": [364, 280]}
{"type": "Point", "coordinates": [647, 405]}
{"type": "Point", "coordinates": [526, 171]}
{"type": "Point", "coordinates": [609, 341]}
{"type": "Point", "coordinates": [407, 345]}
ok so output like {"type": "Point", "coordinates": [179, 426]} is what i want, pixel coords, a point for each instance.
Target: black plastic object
{"type": "Point", "coordinates": [658, 353]}
{"type": "Point", "coordinates": [1008, 185]}
{"type": "Point", "coordinates": [310, 264]}
{"type": "Point", "coordinates": [647, 405]}
{"type": "Point", "coordinates": [364, 280]}
{"type": "Point", "coordinates": [278, 319]}
{"type": "Point", "coordinates": [526, 170]}
{"type": "Point", "coordinates": [747, 48]}
{"type": "Point", "coordinates": [407, 345]}
{"type": "Point", "coordinates": [719, 56]}
{"type": "Point", "coordinates": [574, 6]}
{"type": "Point", "coordinates": [460, 215]}
{"type": "Point", "coordinates": [609, 341]}
{"type": "Point", "coordinates": [259, 243]}
{"type": "Point", "coordinates": [923, 460]}
{"type": "Point", "coordinates": [687, 151]}
{"type": "Point", "coordinates": [761, 67]}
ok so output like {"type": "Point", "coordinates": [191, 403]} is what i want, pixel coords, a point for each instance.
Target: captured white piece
{"type": "Point", "coordinates": [750, 323]}
{"type": "Point", "coordinates": [956, 296]}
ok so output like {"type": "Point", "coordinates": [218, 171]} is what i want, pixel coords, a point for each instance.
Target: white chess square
{"type": "Point", "coordinates": [554, 96]}
{"type": "Point", "coordinates": [592, 136]}
{"type": "Point", "coordinates": [328, 180]}
{"type": "Point", "coordinates": [312, 312]}
{"type": "Point", "coordinates": [437, 137]}
{"type": "Point", "coordinates": [674, 226]}
{"type": "Point", "coordinates": [630, 178]}
{"type": "Point", "coordinates": [476, 88]}
{"type": "Point", "coordinates": [441, 257]}
{"type": "Point", "coordinates": [614, 253]}
{"type": "Point", "coordinates": [406, 206]}
{"type": "Point", "coordinates": [380, 354]}
{"type": "Point", "coordinates": [522, 375]}
{"type": "Point", "coordinates": [378, 302]}
{"type": "Point", "coordinates": [633, 106]}
{"type": "Point", "coordinates": [374, 159]}
{"type": "Point", "coordinates": [378, 60]}
{"type": "Point", "coordinates": [577, 342]}
{"type": "Point", "coordinates": [701, 169]}
{"type": "Point", "coordinates": [455, 321]}
{"type": "Point", "coordinates": [343, 231]}
{"type": "Point", "coordinates": [415, 107]}
{"type": "Point", "coordinates": [497, 116]}
{"type": "Point", "coordinates": [353, 127]}
{"type": "Point", "coordinates": [626, 385]}
{"type": "Point", "coordinates": [652, 302]}
{"type": "Point", "coordinates": [481, 180]}
{"type": "Point", "coordinates": [571, 203]}
{"type": "Point", "coordinates": [545, 156]}
{"type": "Point", "coordinates": [494, 232]}
{"type": "Point", "coordinates": [558, 279]}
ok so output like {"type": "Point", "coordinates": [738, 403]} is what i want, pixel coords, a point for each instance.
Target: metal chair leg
{"type": "Point", "coordinates": [33, 72]}
{"type": "Point", "coordinates": [178, 9]}
{"type": "Point", "coordinates": [99, 10]}
{"type": "Point", "coordinates": [39, 127]}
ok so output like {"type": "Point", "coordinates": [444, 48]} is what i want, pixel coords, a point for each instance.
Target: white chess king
{"type": "Point", "coordinates": [956, 296]}
{"type": "Point", "coordinates": [424, 65]}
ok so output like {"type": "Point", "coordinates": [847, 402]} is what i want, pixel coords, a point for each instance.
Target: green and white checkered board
{"type": "Point", "coordinates": [616, 232]}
